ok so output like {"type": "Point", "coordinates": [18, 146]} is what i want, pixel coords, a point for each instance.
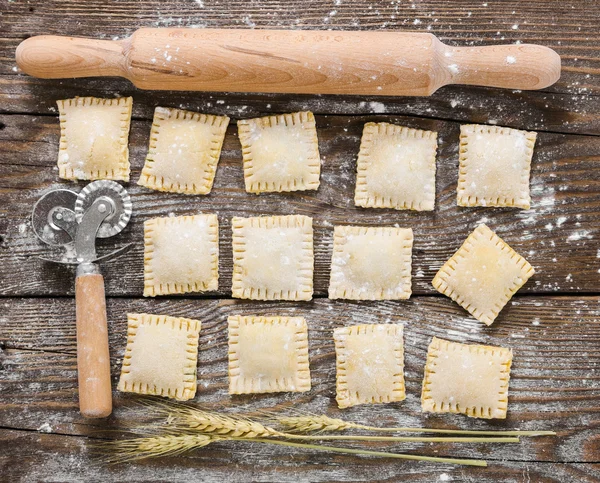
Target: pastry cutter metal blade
{"type": "Point", "coordinates": [63, 217]}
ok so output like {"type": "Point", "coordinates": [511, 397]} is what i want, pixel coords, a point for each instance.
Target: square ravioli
{"type": "Point", "coordinates": [94, 136]}
{"type": "Point", "coordinates": [273, 258]}
{"type": "Point", "coordinates": [161, 356]}
{"type": "Point", "coordinates": [181, 254]}
{"type": "Point", "coordinates": [281, 153]}
{"type": "Point", "coordinates": [466, 378]}
{"type": "Point", "coordinates": [371, 263]}
{"type": "Point", "coordinates": [184, 151]}
{"type": "Point", "coordinates": [483, 274]}
{"type": "Point", "coordinates": [494, 166]}
{"type": "Point", "coordinates": [268, 354]}
{"type": "Point", "coordinates": [369, 364]}
{"type": "Point", "coordinates": [396, 168]}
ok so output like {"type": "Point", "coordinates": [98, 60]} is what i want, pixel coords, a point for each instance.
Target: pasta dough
{"type": "Point", "coordinates": [469, 379]}
{"type": "Point", "coordinates": [181, 254]}
{"type": "Point", "coordinates": [371, 263]}
{"type": "Point", "coordinates": [184, 151]}
{"type": "Point", "coordinates": [281, 153]}
{"type": "Point", "coordinates": [268, 354]}
{"type": "Point", "coordinates": [483, 274]}
{"type": "Point", "coordinates": [370, 364]}
{"type": "Point", "coordinates": [396, 168]}
{"type": "Point", "coordinates": [161, 356]}
{"type": "Point", "coordinates": [494, 166]}
{"type": "Point", "coordinates": [93, 138]}
{"type": "Point", "coordinates": [273, 258]}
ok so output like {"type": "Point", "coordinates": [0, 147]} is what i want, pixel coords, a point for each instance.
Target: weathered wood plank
{"type": "Point", "coordinates": [55, 457]}
{"type": "Point", "coordinates": [569, 28]}
{"type": "Point", "coordinates": [558, 235]}
{"type": "Point", "coordinates": [543, 111]}
{"type": "Point", "coordinates": [555, 376]}
{"type": "Point", "coordinates": [554, 380]}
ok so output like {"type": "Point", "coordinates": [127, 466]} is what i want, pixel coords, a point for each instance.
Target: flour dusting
{"type": "Point", "coordinates": [45, 428]}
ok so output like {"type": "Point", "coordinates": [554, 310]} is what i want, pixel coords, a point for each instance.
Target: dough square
{"type": "Point", "coordinates": [483, 274]}
{"type": "Point", "coordinates": [94, 136]}
{"type": "Point", "coordinates": [273, 258]}
{"type": "Point", "coordinates": [494, 166]}
{"type": "Point", "coordinates": [466, 378]}
{"type": "Point", "coordinates": [181, 254]}
{"type": "Point", "coordinates": [396, 168]}
{"type": "Point", "coordinates": [268, 354]}
{"type": "Point", "coordinates": [371, 263]}
{"type": "Point", "coordinates": [369, 364]}
{"type": "Point", "coordinates": [161, 356]}
{"type": "Point", "coordinates": [281, 153]}
{"type": "Point", "coordinates": [184, 151]}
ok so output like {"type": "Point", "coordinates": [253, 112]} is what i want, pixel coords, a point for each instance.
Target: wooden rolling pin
{"type": "Point", "coordinates": [290, 61]}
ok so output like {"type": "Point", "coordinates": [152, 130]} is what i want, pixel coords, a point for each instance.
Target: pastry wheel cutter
{"type": "Point", "coordinates": [62, 217]}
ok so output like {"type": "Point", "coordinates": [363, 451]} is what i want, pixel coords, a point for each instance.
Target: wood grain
{"type": "Point", "coordinates": [564, 220]}
{"type": "Point", "coordinates": [289, 61]}
{"type": "Point", "coordinates": [555, 337]}
{"type": "Point", "coordinates": [60, 456]}
{"type": "Point", "coordinates": [570, 28]}
{"type": "Point", "coordinates": [554, 381]}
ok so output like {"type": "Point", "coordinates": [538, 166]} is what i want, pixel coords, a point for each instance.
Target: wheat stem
{"type": "Point", "coordinates": [401, 438]}
{"type": "Point", "coordinates": [459, 431]}
{"type": "Point", "coordinates": [188, 419]}
{"type": "Point", "coordinates": [324, 423]}
{"type": "Point", "coordinates": [335, 449]}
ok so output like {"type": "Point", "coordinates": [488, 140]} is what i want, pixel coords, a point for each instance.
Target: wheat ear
{"type": "Point", "coordinates": [157, 446]}
{"type": "Point", "coordinates": [186, 418]}
{"type": "Point", "coordinates": [312, 423]}
{"type": "Point", "coordinates": [121, 451]}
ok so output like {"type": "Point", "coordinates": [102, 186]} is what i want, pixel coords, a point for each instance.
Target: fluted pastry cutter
{"type": "Point", "coordinates": [63, 217]}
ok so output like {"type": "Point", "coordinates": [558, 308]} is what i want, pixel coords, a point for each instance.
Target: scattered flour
{"type": "Point", "coordinates": [561, 220]}
{"type": "Point", "coordinates": [578, 235]}
{"type": "Point", "coordinates": [45, 428]}
{"type": "Point", "coordinates": [377, 107]}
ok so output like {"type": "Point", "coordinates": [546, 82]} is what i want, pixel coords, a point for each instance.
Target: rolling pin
{"type": "Point", "coordinates": [289, 61]}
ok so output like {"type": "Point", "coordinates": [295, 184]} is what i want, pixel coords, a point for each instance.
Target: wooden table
{"type": "Point", "coordinates": [553, 324]}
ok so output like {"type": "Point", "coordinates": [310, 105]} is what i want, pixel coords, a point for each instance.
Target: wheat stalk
{"type": "Point", "coordinates": [186, 418]}
{"type": "Point", "coordinates": [121, 451]}
{"type": "Point", "coordinates": [311, 423]}
{"type": "Point", "coordinates": [157, 446]}
{"type": "Point", "coordinates": [336, 449]}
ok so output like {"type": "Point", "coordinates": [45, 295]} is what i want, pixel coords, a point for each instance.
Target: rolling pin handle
{"type": "Point", "coordinates": [93, 358]}
{"type": "Point", "coordinates": [514, 66]}
{"type": "Point", "coordinates": [56, 57]}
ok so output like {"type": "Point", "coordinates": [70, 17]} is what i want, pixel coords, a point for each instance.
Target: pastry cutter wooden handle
{"type": "Point", "coordinates": [290, 61]}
